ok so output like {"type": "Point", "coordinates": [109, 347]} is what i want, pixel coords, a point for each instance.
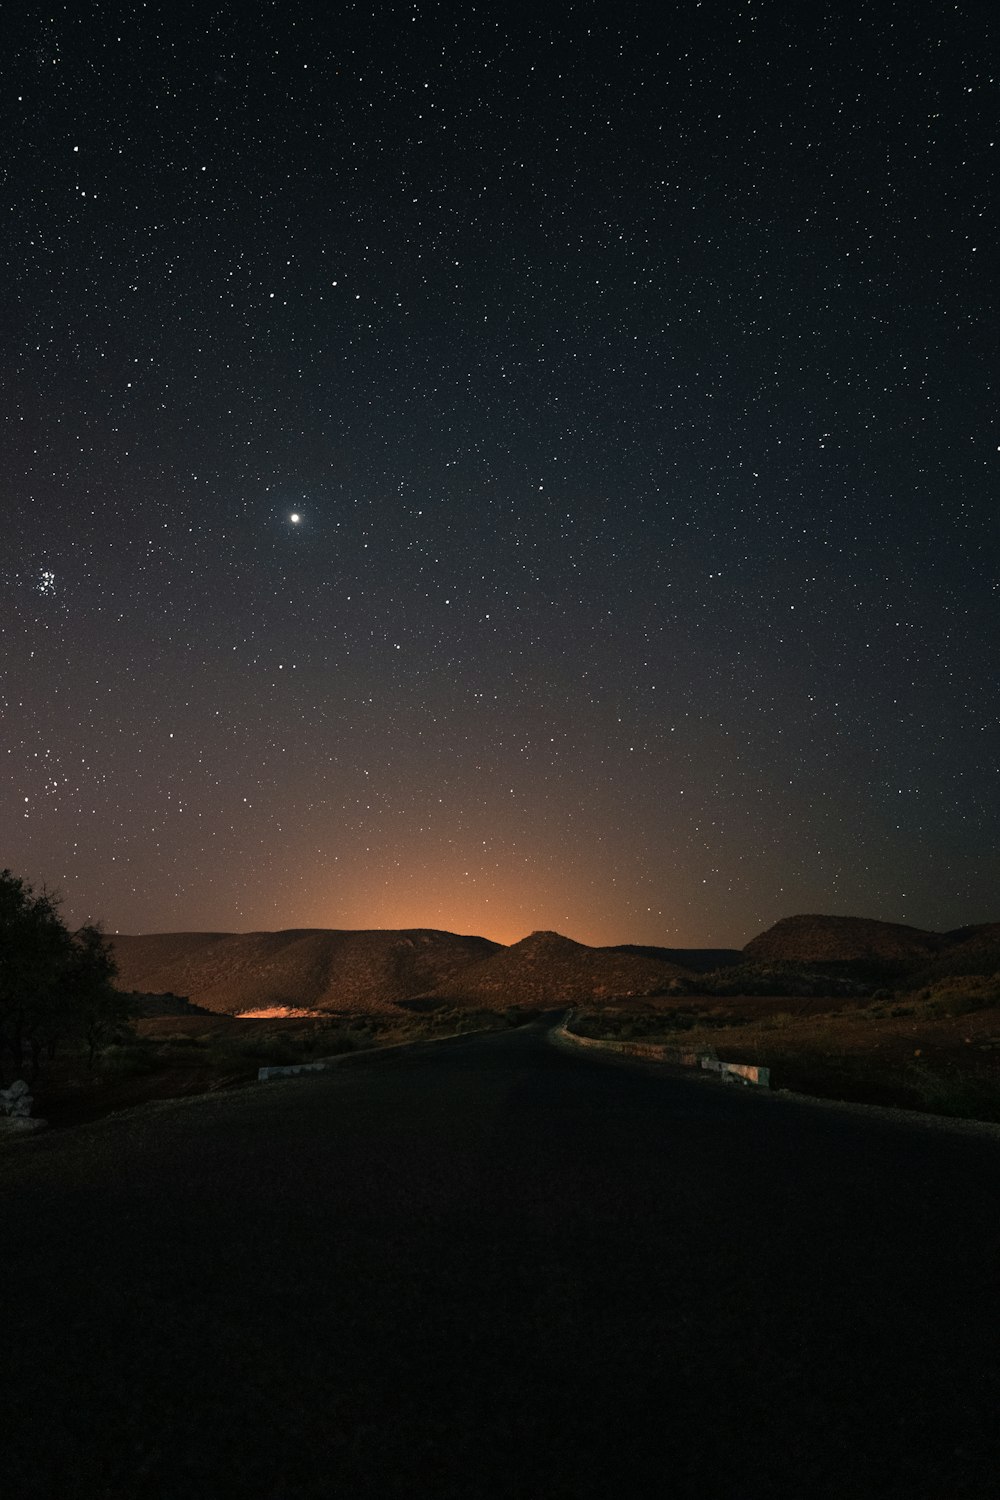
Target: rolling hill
{"type": "Point", "coordinates": [821, 939]}
{"type": "Point", "coordinates": [548, 969]}
{"type": "Point", "coordinates": [314, 968]}
{"type": "Point", "coordinates": [326, 970]}
{"type": "Point", "coordinates": [696, 960]}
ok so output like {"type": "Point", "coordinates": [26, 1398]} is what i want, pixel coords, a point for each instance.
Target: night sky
{"type": "Point", "coordinates": [630, 372]}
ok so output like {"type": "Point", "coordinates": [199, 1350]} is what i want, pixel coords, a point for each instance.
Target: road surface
{"type": "Point", "coordinates": [497, 1269]}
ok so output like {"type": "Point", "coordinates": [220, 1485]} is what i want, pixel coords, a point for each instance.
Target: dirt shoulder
{"type": "Point", "coordinates": [899, 1052]}
{"type": "Point", "coordinates": [171, 1057]}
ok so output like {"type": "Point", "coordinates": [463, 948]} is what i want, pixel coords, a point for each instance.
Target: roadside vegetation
{"type": "Point", "coordinates": [56, 986]}
{"type": "Point", "coordinates": [936, 1048]}
{"type": "Point", "coordinates": [173, 1056]}
{"type": "Point", "coordinates": [86, 1049]}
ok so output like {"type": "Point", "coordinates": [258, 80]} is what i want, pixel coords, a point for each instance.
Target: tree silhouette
{"type": "Point", "coordinates": [54, 984]}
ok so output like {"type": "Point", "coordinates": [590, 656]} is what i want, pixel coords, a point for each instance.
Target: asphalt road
{"type": "Point", "coordinates": [496, 1269]}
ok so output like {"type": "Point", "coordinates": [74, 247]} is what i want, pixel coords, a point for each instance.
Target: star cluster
{"type": "Point", "coordinates": [492, 470]}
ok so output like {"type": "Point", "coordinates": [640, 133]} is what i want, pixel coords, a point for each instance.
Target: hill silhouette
{"type": "Point", "coordinates": [547, 968]}
{"type": "Point", "coordinates": [912, 950]}
{"type": "Point", "coordinates": [373, 971]}
{"type": "Point", "coordinates": [315, 968]}
{"type": "Point", "coordinates": [697, 960]}
{"type": "Point", "coordinates": [369, 971]}
{"type": "Point", "coordinates": [967, 950]}
{"type": "Point", "coordinates": [819, 939]}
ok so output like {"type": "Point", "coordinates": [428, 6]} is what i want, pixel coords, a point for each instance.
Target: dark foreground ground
{"type": "Point", "coordinates": [497, 1269]}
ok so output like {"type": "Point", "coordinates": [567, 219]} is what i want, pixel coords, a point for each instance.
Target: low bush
{"type": "Point", "coordinates": [783, 977]}
{"type": "Point", "coordinates": [962, 996]}
{"type": "Point", "coordinates": [951, 1092]}
{"type": "Point", "coordinates": [517, 1015]}
{"type": "Point", "coordinates": [336, 1045]}
{"type": "Point", "coordinates": [129, 1061]}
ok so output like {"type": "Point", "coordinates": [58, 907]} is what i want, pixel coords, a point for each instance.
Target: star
{"type": "Point", "coordinates": [295, 518]}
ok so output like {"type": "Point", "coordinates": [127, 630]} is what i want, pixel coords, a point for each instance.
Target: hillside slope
{"type": "Point", "coordinates": [819, 939]}
{"type": "Point", "coordinates": [696, 960]}
{"type": "Point", "coordinates": [968, 950]}
{"type": "Point", "coordinates": [313, 968]}
{"type": "Point", "coordinates": [914, 951]}
{"type": "Point", "coordinates": [547, 968]}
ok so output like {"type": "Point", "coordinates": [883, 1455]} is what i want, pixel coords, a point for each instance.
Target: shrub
{"type": "Point", "coordinates": [966, 1095]}
{"type": "Point", "coordinates": [961, 996]}
{"type": "Point", "coordinates": [55, 985]}
{"type": "Point", "coordinates": [129, 1060]}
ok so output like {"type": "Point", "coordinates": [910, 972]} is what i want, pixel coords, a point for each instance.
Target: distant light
{"type": "Point", "coordinates": [295, 518]}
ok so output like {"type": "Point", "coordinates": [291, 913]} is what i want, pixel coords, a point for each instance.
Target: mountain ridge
{"type": "Point", "coordinates": [547, 968]}
{"type": "Point", "coordinates": [375, 969]}
{"type": "Point", "coordinates": [313, 967]}
{"type": "Point", "coordinates": [817, 938]}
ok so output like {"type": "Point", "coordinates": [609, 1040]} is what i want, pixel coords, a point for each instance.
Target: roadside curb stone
{"type": "Point", "coordinates": [288, 1070]}
{"type": "Point", "coordinates": [746, 1073]}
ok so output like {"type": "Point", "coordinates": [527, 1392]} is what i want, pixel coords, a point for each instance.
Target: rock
{"type": "Point", "coordinates": [16, 1101]}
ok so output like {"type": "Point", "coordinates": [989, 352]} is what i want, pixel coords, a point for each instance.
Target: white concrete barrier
{"type": "Point", "coordinates": [749, 1073]}
{"type": "Point", "coordinates": [285, 1070]}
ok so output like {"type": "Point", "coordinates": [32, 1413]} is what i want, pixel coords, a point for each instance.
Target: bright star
{"type": "Point", "coordinates": [295, 518]}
